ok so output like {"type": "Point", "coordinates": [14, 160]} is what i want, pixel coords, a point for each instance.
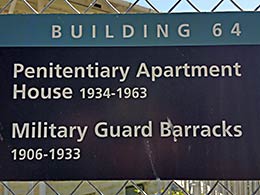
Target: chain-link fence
{"type": "Point", "coordinates": [122, 7]}
{"type": "Point", "coordinates": [156, 187]}
{"type": "Point", "coordinates": [128, 187]}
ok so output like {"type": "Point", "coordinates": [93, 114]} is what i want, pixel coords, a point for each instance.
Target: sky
{"type": "Point", "coordinates": [203, 5]}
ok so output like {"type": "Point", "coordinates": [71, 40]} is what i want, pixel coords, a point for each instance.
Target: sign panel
{"type": "Point", "coordinates": [162, 98]}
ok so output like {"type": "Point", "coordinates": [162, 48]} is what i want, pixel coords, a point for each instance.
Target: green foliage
{"type": "Point", "coordinates": [174, 192]}
{"type": "Point", "coordinates": [177, 193]}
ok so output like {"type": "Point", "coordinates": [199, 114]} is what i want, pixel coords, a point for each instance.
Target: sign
{"type": "Point", "coordinates": [96, 97]}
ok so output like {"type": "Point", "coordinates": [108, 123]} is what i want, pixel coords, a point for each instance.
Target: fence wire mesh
{"type": "Point", "coordinates": [128, 187]}
{"type": "Point", "coordinates": [123, 7]}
